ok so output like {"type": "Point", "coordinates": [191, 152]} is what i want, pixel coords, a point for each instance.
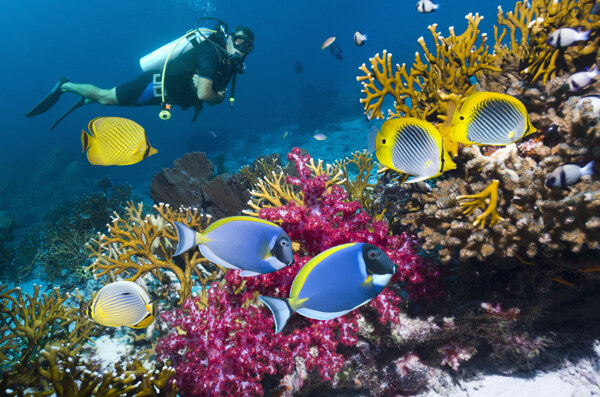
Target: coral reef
{"type": "Point", "coordinates": [190, 184]}
{"type": "Point", "coordinates": [140, 244]}
{"type": "Point", "coordinates": [530, 24]}
{"type": "Point", "coordinates": [536, 220]}
{"type": "Point", "coordinates": [435, 86]}
{"type": "Point", "coordinates": [41, 344]}
{"type": "Point", "coordinates": [239, 353]}
{"type": "Point", "coordinates": [30, 322]}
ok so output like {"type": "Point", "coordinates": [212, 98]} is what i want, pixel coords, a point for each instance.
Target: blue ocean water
{"type": "Point", "coordinates": [100, 42]}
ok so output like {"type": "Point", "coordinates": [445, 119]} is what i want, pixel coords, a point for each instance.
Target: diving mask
{"type": "Point", "coordinates": [242, 43]}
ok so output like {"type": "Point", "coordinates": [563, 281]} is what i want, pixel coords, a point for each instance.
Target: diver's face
{"type": "Point", "coordinates": [232, 43]}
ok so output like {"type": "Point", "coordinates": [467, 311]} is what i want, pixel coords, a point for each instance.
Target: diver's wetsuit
{"type": "Point", "coordinates": [206, 60]}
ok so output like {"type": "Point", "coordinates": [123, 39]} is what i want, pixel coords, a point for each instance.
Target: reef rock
{"type": "Point", "coordinates": [189, 184]}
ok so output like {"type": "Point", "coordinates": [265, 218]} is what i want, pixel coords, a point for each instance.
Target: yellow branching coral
{"type": "Point", "coordinates": [420, 92]}
{"type": "Point", "coordinates": [138, 245]}
{"type": "Point", "coordinates": [68, 375]}
{"type": "Point", "coordinates": [29, 322]}
{"type": "Point", "coordinates": [479, 201]}
{"type": "Point", "coordinates": [529, 29]}
{"type": "Point", "coordinates": [262, 166]}
{"type": "Point", "coordinates": [274, 191]}
{"type": "Point", "coordinates": [360, 189]}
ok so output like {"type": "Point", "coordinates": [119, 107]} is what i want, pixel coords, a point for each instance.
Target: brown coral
{"type": "Point", "coordinates": [190, 184]}
{"type": "Point", "coordinates": [137, 245]}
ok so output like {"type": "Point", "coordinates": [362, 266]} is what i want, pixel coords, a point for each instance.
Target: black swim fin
{"type": "Point", "coordinates": [49, 100]}
{"type": "Point", "coordinates": [80, 102]}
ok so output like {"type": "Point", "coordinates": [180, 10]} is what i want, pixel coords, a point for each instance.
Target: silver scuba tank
{"type": "Point", "coordinates": [156, 59]}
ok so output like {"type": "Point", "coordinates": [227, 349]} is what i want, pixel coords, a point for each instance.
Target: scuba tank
{"type": "Point", "coordinates": [156, 59]}
{"type": "Point", "coordinates": [159, 58]}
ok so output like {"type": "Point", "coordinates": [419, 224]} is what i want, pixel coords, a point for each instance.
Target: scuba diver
{"type": "Point", "coordinates": [188, 71]}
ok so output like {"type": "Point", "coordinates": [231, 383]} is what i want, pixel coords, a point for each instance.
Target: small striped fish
{"type": "Point", "coordinates": [490, 118]}
{"type": "Point", "coordinates": [115, 141]}
{"type": "Point", "coordinates": [412, 146]}
{"type": "Point", "coordinates": [122, 303]}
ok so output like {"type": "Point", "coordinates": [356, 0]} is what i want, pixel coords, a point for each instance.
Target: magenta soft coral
{"type": "Point", "coordinates": [328, 219]}
{"type": "Point", "coordinates": [228, 347]}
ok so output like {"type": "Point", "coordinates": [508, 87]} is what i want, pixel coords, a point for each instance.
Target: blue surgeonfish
{"type": "Point", "coordinates": [334, 283]}
{"type": "Point", "coordinates": [246, 243]}
{"type": "Point", "coordinates": [412, 146]}
{"type": "Point", "coordinates": [122, 303]}
{"type": "Point", "coordinates": [490, 118]}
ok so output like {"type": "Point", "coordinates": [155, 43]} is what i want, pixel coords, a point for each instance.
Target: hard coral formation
{"type": "Point", "coordinates": [530, 24]}
{"type": "Point", "coordinates": [190, 183]}
{"type": "Point", "coordinates": [532, 222]}
{"type": "Point", "coordinates": [432, 87]}
{"type": "Point", "coordinates": [144, 244]}
{"type": "Point", "coordinates": [28, 323]}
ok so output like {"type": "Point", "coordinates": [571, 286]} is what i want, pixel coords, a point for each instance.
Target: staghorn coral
{"type": "Point", "coordinates": [434, 86]}
{"type": "Point", "coordinates": [69, 375]}
{"type": "Point", "coordinates": [527, 52]}
{"type": "Point", "coordinates": [137, 245]}
{"type": "Point", "coordinates": [360, 189]}
{"type": "Point", "coordinates": [260, 167]}
{"type": "Point", "coordinates": [30, 322]}
{"type": "Point", "coordinates": [276, 190]}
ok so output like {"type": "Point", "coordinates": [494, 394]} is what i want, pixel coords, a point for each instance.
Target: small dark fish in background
{"type": "Point", "coordinates": [298, 67]}
{"type": "Point", "coordinates": [551, 136]}
{"type": "Point", "coordinates": [359, 38]}
{"type": "Point", "coordinates": [426, 6]}
{"type": "Point", "coordinates": [568, 174]}
{"type": "Point", "coordinates": [336, 51]}
{"type": "Point", "coordinates": [595, 9]}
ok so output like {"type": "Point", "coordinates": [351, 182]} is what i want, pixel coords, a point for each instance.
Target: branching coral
{"type": "Point", "coordinates": [137, 245]}
{"type": "Point", "coordinates": [68, 375]}
{"type": "Point", "coordinates": [422, 91]}
{"type": "Point", "coordinates": [360, 189]}
{"type": "Point", "coordinates": [530, 24]}
{"type": "Point", "coordinates": [277, 190]}
{"type": "Point", "coordinates": [30, 322]}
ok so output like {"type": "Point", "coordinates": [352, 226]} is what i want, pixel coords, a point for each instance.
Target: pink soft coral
{"type": "Point", "coordinates": [230, 346]}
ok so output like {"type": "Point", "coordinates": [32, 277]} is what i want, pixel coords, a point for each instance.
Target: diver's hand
{"type": "Point", "coordinates": [195, 80]}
